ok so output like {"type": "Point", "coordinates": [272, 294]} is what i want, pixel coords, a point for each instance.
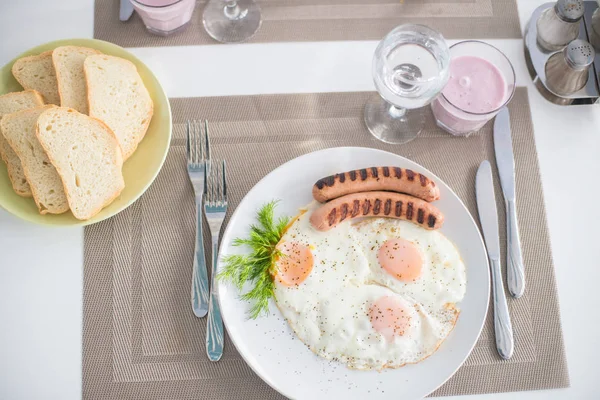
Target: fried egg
{"type": "Point", "coordinates": [417, 263]}
{"type": "Point", "coordinates": [376, 294]}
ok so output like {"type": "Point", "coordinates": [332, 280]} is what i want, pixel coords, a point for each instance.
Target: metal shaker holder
{"type": "Point", "coordinates": [536, 58]}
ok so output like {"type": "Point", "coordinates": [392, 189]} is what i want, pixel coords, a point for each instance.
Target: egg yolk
{"type": "Point", "coordinates": [401, 259]}
{"type": "Point", "coordinates": [390, 317]}
{"type": "Point", "coordinates": [294, 264]}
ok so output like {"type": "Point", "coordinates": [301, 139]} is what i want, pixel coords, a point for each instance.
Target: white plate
{"type": "Point", "coordinates": [269, 345]}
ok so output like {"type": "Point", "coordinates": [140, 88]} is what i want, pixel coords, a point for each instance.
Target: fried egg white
{"type": "Point", "coordinates": [341, 302]}
{"type": "Point", "coordinates": [420, 264]}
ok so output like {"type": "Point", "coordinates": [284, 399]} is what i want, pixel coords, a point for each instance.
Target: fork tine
{"type": "Point", "coordinates": [187, 140]}
{"type": "Point", "coordinates": [211, 174]}
{"type": "Point", "coordinates": [199, 153]}
{"type": "Point", "coordinates": [207, 139]}
{"type": "Point", "coordinates": [207, 144]}
{"type": "Point", "coordinates": [224, 193]}
{"type": "Point", "coordinates": [206, 183]}
{"type": "Point", "coordinates": [202, 155]}
{"type": "Point", "coordinates": [215, 181]}
{"type": "Point", "coordinates": [193, 141]}
{"type": "Point", "coordinates": [204, 140]}
{"type": "Point", "coordinates": [219, 182]}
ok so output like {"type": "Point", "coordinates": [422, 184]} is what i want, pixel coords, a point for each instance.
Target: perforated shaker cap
{"type": "Point", "coordinates": [570, 10]}
{"type": "Point", "coordinates": [580, 54]}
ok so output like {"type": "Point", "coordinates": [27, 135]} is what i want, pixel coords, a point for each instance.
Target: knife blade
{"type": "Point", "coordinates": [488, 216]}
{"type": "Point", "coordinates": [515, 271]}
{"type": "Point", "coordinates": [125, 10]}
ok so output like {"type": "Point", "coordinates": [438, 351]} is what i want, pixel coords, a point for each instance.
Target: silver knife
{"type": "Point", "coordinates": [515, 272]}
{"type": "Point", "coordinates": [125, 10]}
{"type": "Point", "coordinates": [488, 215]}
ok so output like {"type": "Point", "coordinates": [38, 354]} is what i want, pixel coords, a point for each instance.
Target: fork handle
{"type": "Point", "coordinates": [199, 273]}
{"type": "Point", "coordinates": [214, 329]}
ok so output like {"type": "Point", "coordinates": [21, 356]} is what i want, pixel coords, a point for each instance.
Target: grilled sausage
{"type": "Point", "coordinates": [377, 204]}
{"type": "Point", "coordinates": [393, 179]}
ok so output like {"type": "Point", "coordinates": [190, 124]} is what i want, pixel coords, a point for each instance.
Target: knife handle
{"type": "Point", "coordinates": [502, 324]}
{"type": "Point", "coordinates": [515, 271]}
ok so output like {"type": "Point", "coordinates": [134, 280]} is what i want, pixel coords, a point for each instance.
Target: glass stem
{"type": "Point", "coordinates": [232, 10]}
{"type": "Point", "coordinates": [397, 112]}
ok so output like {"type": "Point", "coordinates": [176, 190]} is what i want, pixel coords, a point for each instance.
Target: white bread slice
{"type": "Point", "coordinates": [10, 103]}
{"type": "Point", "coordinates": [87, 157]}
{"type": "Point", "coordinates": [68, 64]}
{"type": "Point", "coordinates": [47, 188]}
{"type": "Point", "coordinates": [117, 96]}
{"type": "Point", "coordinates": [37, 73]}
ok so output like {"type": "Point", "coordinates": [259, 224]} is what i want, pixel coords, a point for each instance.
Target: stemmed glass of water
{"type": "Point", "coordinates": [230, 21]}
{"type": "Point", "coordinates": [410, 68]}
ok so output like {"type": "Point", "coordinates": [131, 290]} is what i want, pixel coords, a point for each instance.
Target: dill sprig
{"type": "Point", "coordinates": [257, 266]}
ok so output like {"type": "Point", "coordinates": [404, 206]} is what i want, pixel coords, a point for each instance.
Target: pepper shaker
{"type": "Point", "coordinates": [568, 71]}
{"type": "Point", "coordinates": [595, 29]}
{"type": "Point", "coordinates": [559, 25]}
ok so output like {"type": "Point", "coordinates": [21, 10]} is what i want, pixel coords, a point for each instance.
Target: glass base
{"type": "Point", "coordinates": [167, 33]}
{"type": "Point", "coordinates": [453, 131]}
{"type": "Point", "coordinates": [231, 21]}
{"type": "Point", "coordinates": [393, 125]}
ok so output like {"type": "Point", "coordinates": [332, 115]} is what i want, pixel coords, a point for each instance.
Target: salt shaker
{"type": "Point", "coordinates": [559, 25]}
{"type": "Point", "coordinates": [568, 71]}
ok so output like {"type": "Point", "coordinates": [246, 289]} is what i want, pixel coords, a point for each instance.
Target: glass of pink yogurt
{"type": "Point", "coordinates": [164, 17]}
{"type": "Point", "coordinates": [482, 81]}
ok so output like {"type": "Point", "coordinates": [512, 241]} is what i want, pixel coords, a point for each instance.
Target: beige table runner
{"type": "Point", "coordinates": [140, 337]}
{"type": "Point", "coordinates": [322, 20]}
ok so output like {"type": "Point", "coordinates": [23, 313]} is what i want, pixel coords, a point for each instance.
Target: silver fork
{"type": "Point", "coordinates": [198, 154]}
{"type": "Point", "coordinates": [215, 207]}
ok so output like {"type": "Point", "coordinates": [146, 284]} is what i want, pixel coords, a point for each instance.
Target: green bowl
{"type": "Point", "coordinates": [139, 170]}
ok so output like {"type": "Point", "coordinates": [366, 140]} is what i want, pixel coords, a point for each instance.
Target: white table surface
{"type": "Point", "coordinates": [41, 268]}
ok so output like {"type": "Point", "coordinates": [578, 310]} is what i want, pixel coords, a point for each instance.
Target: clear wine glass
{"type": "Point", "coordinates": [410, 68]}
{"type": "Point", "coordinates": [230, 21]}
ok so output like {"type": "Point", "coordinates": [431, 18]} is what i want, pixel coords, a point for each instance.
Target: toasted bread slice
{"type": "Point", "coordinates": [10, 103]}
{"type": "Point", "coordinates": [87, 157]}
{"type": "Point", "coordinates": [68, 64]}
{"type": "Point", "coordinates": [47, 188]}
{"type": "Point", "coordinates": [118, 97]}
{"type": "Point", "coordinates": [37, 73]}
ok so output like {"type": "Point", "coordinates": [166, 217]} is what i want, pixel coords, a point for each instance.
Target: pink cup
{"type": "Point", "coordinates": [481, 83]}
{"type": "Point", "coordinates": [164, 17]}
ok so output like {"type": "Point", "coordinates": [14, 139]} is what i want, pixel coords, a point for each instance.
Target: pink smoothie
{"type": "Point", "coordinates": [474, 93]}
{"type": "Point", "coordinates": [164, 16]}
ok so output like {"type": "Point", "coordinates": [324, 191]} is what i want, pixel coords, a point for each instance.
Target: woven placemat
{"type": "Point", "coordinates": [140, 337]}
{"type": "Point", "coordinates": [326, 20]}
